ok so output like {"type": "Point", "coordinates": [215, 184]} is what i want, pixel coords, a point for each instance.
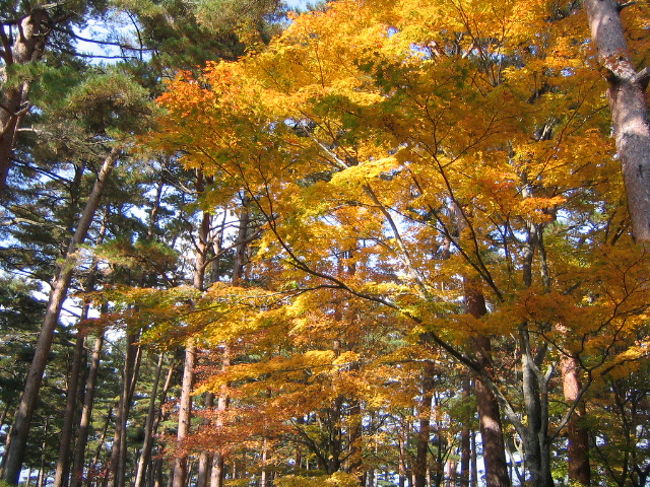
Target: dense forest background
{"type": "Point", "coordinates": [375, 243]}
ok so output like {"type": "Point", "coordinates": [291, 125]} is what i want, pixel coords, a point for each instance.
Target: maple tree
{"type": "Point", "coordinates": [428, 143]}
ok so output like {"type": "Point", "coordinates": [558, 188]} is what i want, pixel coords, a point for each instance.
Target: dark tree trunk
{"type": "Point", "coordinates": [86, 412]}
{"type": "Point", "coordinates": [61, 476]}
{"type": "Point", "coordinates": [494, 456]}
{"type": "Point", "coordinates": [116, 465]}
{"type": "Point", "coordinates": [422, 445]}
{"type": "Point", "coordinates": [465, 443]}
{"type": "Point", "coordinates": [147, 443]}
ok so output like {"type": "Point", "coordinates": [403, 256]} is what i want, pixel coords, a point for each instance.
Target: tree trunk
{"type": "Point", "coordinates": [578, 441]}
{"type": "Point", "coordinates": [41, 471]}
{"type": "Point", "coordinates": [217, 475]}
{"type": "Point", "coordinates": [84, 422]}
{"type": "Point", "coordinates": [627, 101]}
{"type": "Point", "coordinates": [494, 456]}
{"type": "Point", "coordinates": [185, 406]}
{"type": "Point", "coordinates": [422, 446]}
{"type": "Point", "coordinates": [116, 469]}
{"type": "Point", "coordinates": [184, 415]}
{"type": "Point", "coordinates": [28, 46]}
{"type": "Point", "coordinates": [205, 458]}
{"type": "Point", "coordinates": [401, 466]}
{"type": "Point", "coordinates": [18, 439]}
{"type": "Point", "coordinates": [61, 476]}
{"type": "Point", "coordinates": [473, 474]}
{"type": "Point", "coordinates": [465, 444]}
{"type": "Point", "coordinates": [100, 445]}
{"type": "Point", "coordinates": [147, 443]}
{"type": "Point", "coordinates": [536, 445]}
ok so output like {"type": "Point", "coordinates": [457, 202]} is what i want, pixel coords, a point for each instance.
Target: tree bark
{"type": "Point", "coordinates": [184, 415]}
{"type": "Point", "coordinates": [422, 446]}
{"type": "Point", "coordinates": [147, 443]}
{"type": "Point", "coordinates": [627, 101]}
{"type": "Point", "coordinates": [18, 439]}
{"type": "Point", "coordinates": [536, 442]}
{"type": "Point", "coordinates": [488, 407]}
{"type": "Point", "coordinates": [61, 475]}
{"type": "Point", "coordinates": [217, 475]}
{"type": "Point", "coordinates": [29, 44]}
{"type": "Point", "coordinates": [465, 444]}
{"type": "Point", "coordinates": [86, 412]}
{"type": "Point", "coordinates": [205, 458]}
{"type": "Point", "coordinates": [185, 404]}
{"type": "Point", "coordinates": [41, 471]}
{"type": "Point", "coordinates": [116, 466]}
{"type": "Point", "coordinates": [578, 441]}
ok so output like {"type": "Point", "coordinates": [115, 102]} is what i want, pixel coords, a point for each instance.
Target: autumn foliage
{"type": "Point", "coordinates": [404, 158]}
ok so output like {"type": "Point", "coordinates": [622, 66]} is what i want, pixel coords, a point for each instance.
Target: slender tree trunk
{"type": "Point", "coordinates": [41, 470]}
{"type": "Point", "coordinates": [100, 445]}
{"type": "Point", "coordinates": [422, 446]}
{"type": "Point", "coordinates": [488, 407]}
{"type": "Point", "coordinates": [628, 104]}
{"type": "Point", "coordinates": [578, 443]}
{"type": "Point", "coordinates": [240, 249]}
{"type": "Point", "coordinates": [130, 386]}
{"type": "Point", "coordinates": [18, 439]}
{"type": "Point", "coordinates": [86, 412]}
{"type": "Point", "coordinates": [536, 445]}
{"type": "Point", "coordinates": [185, 405]}
{"type": "Point", "coordinates": [264, 476]}
{"type": "Point", "coordinates": [401, 466]}
{"type": "Point", "coordinates": [465, 444]}
{"type": "Point", "coordinates": [147, 444]}
{"type": "Point", "coordinates": [205, 458]}
{"type": "Point", "coordinates": [118, 450]}
{"type": "Point", "coordinates": [61, 475]}
{"type": "Point", "coordinates": [217, 475]}
{"type": "Point", "coordinates": [473, 474]}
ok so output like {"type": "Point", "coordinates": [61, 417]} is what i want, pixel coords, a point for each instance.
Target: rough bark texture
{"type": "Point", "coordinates": [18, 439]}
{"type": "Point", "coordinates": [205, 458]}
{"type": "Point", "coordinates": [32, 34]}
{"type": "Point", "coordinates": [465, 443]}
{"type": "Point", "coordinates": [184, 415]}
{"type": "Point", "coordinates": [185, 403]}
{"type": "Point", "coordinates": [63, 462]}
{"type": "Point", "coordinates": [118, 448]}
{"type": "Point", "coordinates": [147, 443]}
{"type": "Point", "coordinates": [218, 471]}
{"type": "Point", "coordinates": [627, 101]}
{"type": "Point", "coordinates": [534, 387]}
{"type": "Point", "coordinates": [489, 413]}
{"type": "Point", "coordinates": [422, 446]}
{"type": "Point", "coordinates": [86, 412]}
{"type": "Point", "coordinates": [578, 434]}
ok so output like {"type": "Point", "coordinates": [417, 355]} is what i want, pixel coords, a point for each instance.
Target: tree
{"type": "Point", "coordinates": [99, 121]}
{"type": "Point", "coordinates": [425, 143]}
{"type": "Point", "coordinates": [629, 107]}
